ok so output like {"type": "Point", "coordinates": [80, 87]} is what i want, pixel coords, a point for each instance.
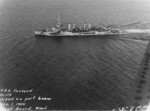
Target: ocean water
{"type": "Point", "coordinates": [77, 73]}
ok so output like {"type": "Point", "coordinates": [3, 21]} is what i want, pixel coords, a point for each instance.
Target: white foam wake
{"type": "Point", "coordinates": [138, 31]}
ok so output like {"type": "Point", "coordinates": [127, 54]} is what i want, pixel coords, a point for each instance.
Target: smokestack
{"type": "Point", "coordinates": [74, 26]}
{"type": "Point", "coordinates": [69, 27]}
{"type": "Point", "coordinates": [89, 26]}
{"type": "Point", "coordinates": [84, 26]}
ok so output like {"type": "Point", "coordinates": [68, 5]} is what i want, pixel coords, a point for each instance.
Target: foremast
{"type": "Point", "coordinates": [58, 25]}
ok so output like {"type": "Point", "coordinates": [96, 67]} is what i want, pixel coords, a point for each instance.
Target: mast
{"type": "Point", "coordinates": [58, 20]}
{"type": "Point", "coordinates": [58, 25]}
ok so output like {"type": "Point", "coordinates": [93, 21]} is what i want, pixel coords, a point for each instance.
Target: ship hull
{"type": "Point", "coordinates": [71, 34]}
{"type": "Point", "coordinates": [74, 36]}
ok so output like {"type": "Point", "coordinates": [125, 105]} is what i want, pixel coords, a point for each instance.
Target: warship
{"type": "Point", "coordinates": [74, 31]}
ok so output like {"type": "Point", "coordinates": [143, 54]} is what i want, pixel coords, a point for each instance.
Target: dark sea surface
{"type": "Point", "coordinates": [77, 73]}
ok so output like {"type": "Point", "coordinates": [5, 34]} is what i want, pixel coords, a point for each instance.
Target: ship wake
{"type": "Point", "coordinates": [138, 31]}
{"type": "Point", "coordinates": [136, 34]}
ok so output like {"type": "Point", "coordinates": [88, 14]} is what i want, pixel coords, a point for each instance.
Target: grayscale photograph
{"type": "Point", "coordinates": [74, 55]}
